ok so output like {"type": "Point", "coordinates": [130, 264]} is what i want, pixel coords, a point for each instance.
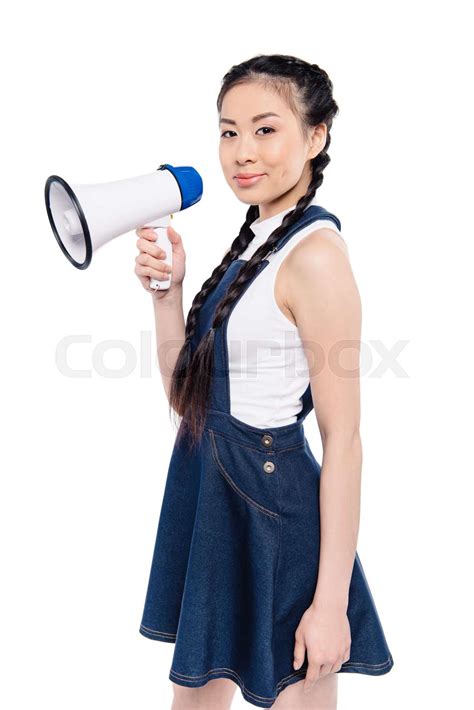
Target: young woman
{"type": "Point", "coordinates": [255, 575]}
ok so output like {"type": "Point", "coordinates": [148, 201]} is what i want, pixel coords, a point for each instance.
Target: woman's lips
{"type": "Point", "coordinates": [244, 182]}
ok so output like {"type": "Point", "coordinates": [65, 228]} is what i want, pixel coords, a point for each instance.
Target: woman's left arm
{"type": "Point", "coordinates": [323, 296]}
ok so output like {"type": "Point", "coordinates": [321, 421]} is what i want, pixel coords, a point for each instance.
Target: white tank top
{"type": "Point", "coordinates": [268, 369]}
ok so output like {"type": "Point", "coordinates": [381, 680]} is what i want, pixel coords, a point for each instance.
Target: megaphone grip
{"type": "Point", "coordinates": [164, 243]}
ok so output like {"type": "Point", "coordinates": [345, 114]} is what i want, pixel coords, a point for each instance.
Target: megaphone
{"type": "Point", "coordinates": [84, 217]}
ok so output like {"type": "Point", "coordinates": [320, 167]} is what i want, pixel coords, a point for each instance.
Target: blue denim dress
{"type": "Point", "coordinates": [235, 562]}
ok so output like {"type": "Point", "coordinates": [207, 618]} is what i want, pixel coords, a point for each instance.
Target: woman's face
{"type": "Point", "coordinates": [272, 146]}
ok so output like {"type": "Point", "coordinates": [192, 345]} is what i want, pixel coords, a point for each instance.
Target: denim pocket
{"type": "Point", "coordinates": [245, 470]}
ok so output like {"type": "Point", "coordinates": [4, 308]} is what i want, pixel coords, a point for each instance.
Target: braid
{"type": "Point", "coordinates": [239, 245]}
{"type": "Point", "coordinates": [181, 383]}
{"type": "Point", "coordinates": [308, 91]}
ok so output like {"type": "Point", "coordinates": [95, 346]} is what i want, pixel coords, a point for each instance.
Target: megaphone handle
{"type": "Point", "coordinates": [160, 227]}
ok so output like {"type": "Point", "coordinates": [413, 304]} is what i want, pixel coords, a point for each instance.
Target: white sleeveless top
{"type": "Point", "coordinates": [268, 369]}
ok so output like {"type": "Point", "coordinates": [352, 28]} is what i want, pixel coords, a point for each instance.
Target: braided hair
{"type": "Point", "coordinates": [308, 91]}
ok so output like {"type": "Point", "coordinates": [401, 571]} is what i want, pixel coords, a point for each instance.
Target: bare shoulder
{"type": "Point", "coordinates": [316, 271]}
{"type": "Point", "coordinates": [316, 267]}
{"type": "Point", "coordinates": [320, 240]}
{"type": "Point", "coordinates": [323, 250]}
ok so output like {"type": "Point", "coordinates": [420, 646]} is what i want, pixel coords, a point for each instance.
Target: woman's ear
{"type": "Point", "coordinates": [318, 140]}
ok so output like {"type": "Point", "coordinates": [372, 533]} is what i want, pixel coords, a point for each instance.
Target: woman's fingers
{"type": "Point", "coordinates": [313, 673]}
{"type": "Point", "coordinates": [146, 233]}
{"type": "Point", "coordinates": [149, 248]}
{"type": "Point", "coordinates": [152, 263]}
{"type": "Point", "coordinates": [151, 259]}
{"type": "Point", "coordinates": [298, 653]}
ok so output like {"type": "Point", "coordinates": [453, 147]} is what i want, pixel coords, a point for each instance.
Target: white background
{"type": "Point", "coordinates": [99, 91]}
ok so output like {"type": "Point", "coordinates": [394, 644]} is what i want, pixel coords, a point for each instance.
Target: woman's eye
{"type": "Point", "coordinates": [263, 128]}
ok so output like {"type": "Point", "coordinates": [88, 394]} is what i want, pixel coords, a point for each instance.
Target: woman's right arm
{"type": "Point", "coordinates": [167, 304]}
{"type": "Point", "coordinates": [169, 328]}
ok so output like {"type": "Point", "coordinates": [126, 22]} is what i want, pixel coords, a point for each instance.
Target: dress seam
{"type": "Point", "coordinates": [281, 683]}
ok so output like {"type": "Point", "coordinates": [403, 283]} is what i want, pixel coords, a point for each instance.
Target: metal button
{"type": "Point", "coordinates": [268, 466]}
{"type": "Point", "coordinates": [267, 440]}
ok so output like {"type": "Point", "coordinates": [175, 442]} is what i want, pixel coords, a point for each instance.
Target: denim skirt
{"type": "Point", "coordinates": [235, 561]}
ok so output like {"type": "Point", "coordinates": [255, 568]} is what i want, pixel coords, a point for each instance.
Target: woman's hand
{"type": "Point", "coordinates": [326, 636]}
{"type": "Point", "coordinates": [150, 262]}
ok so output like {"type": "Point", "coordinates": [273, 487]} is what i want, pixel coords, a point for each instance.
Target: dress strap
{"type": "Point", "coordinates": [311, 214]}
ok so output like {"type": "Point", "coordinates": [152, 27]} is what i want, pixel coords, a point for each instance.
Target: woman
{"type": "Point", "coordinates": [255, 575]}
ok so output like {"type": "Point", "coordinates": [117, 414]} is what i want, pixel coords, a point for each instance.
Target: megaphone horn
{"type": "Point", "coordinates": [84, 217]}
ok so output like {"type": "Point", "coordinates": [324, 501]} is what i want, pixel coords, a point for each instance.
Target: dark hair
{"type": "Point", "coordinates": [308, 91]}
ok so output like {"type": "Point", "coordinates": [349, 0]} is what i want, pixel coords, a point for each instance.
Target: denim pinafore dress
{"type": "Point", "coordinates": [235, 561]}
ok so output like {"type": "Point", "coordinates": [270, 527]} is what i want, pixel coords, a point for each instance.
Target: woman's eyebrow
{"type": "Point", "coordinates": [256, 118]}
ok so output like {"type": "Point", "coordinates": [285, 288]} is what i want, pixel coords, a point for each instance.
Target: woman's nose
{"type": "Point", "coordinates": [245, 151]}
